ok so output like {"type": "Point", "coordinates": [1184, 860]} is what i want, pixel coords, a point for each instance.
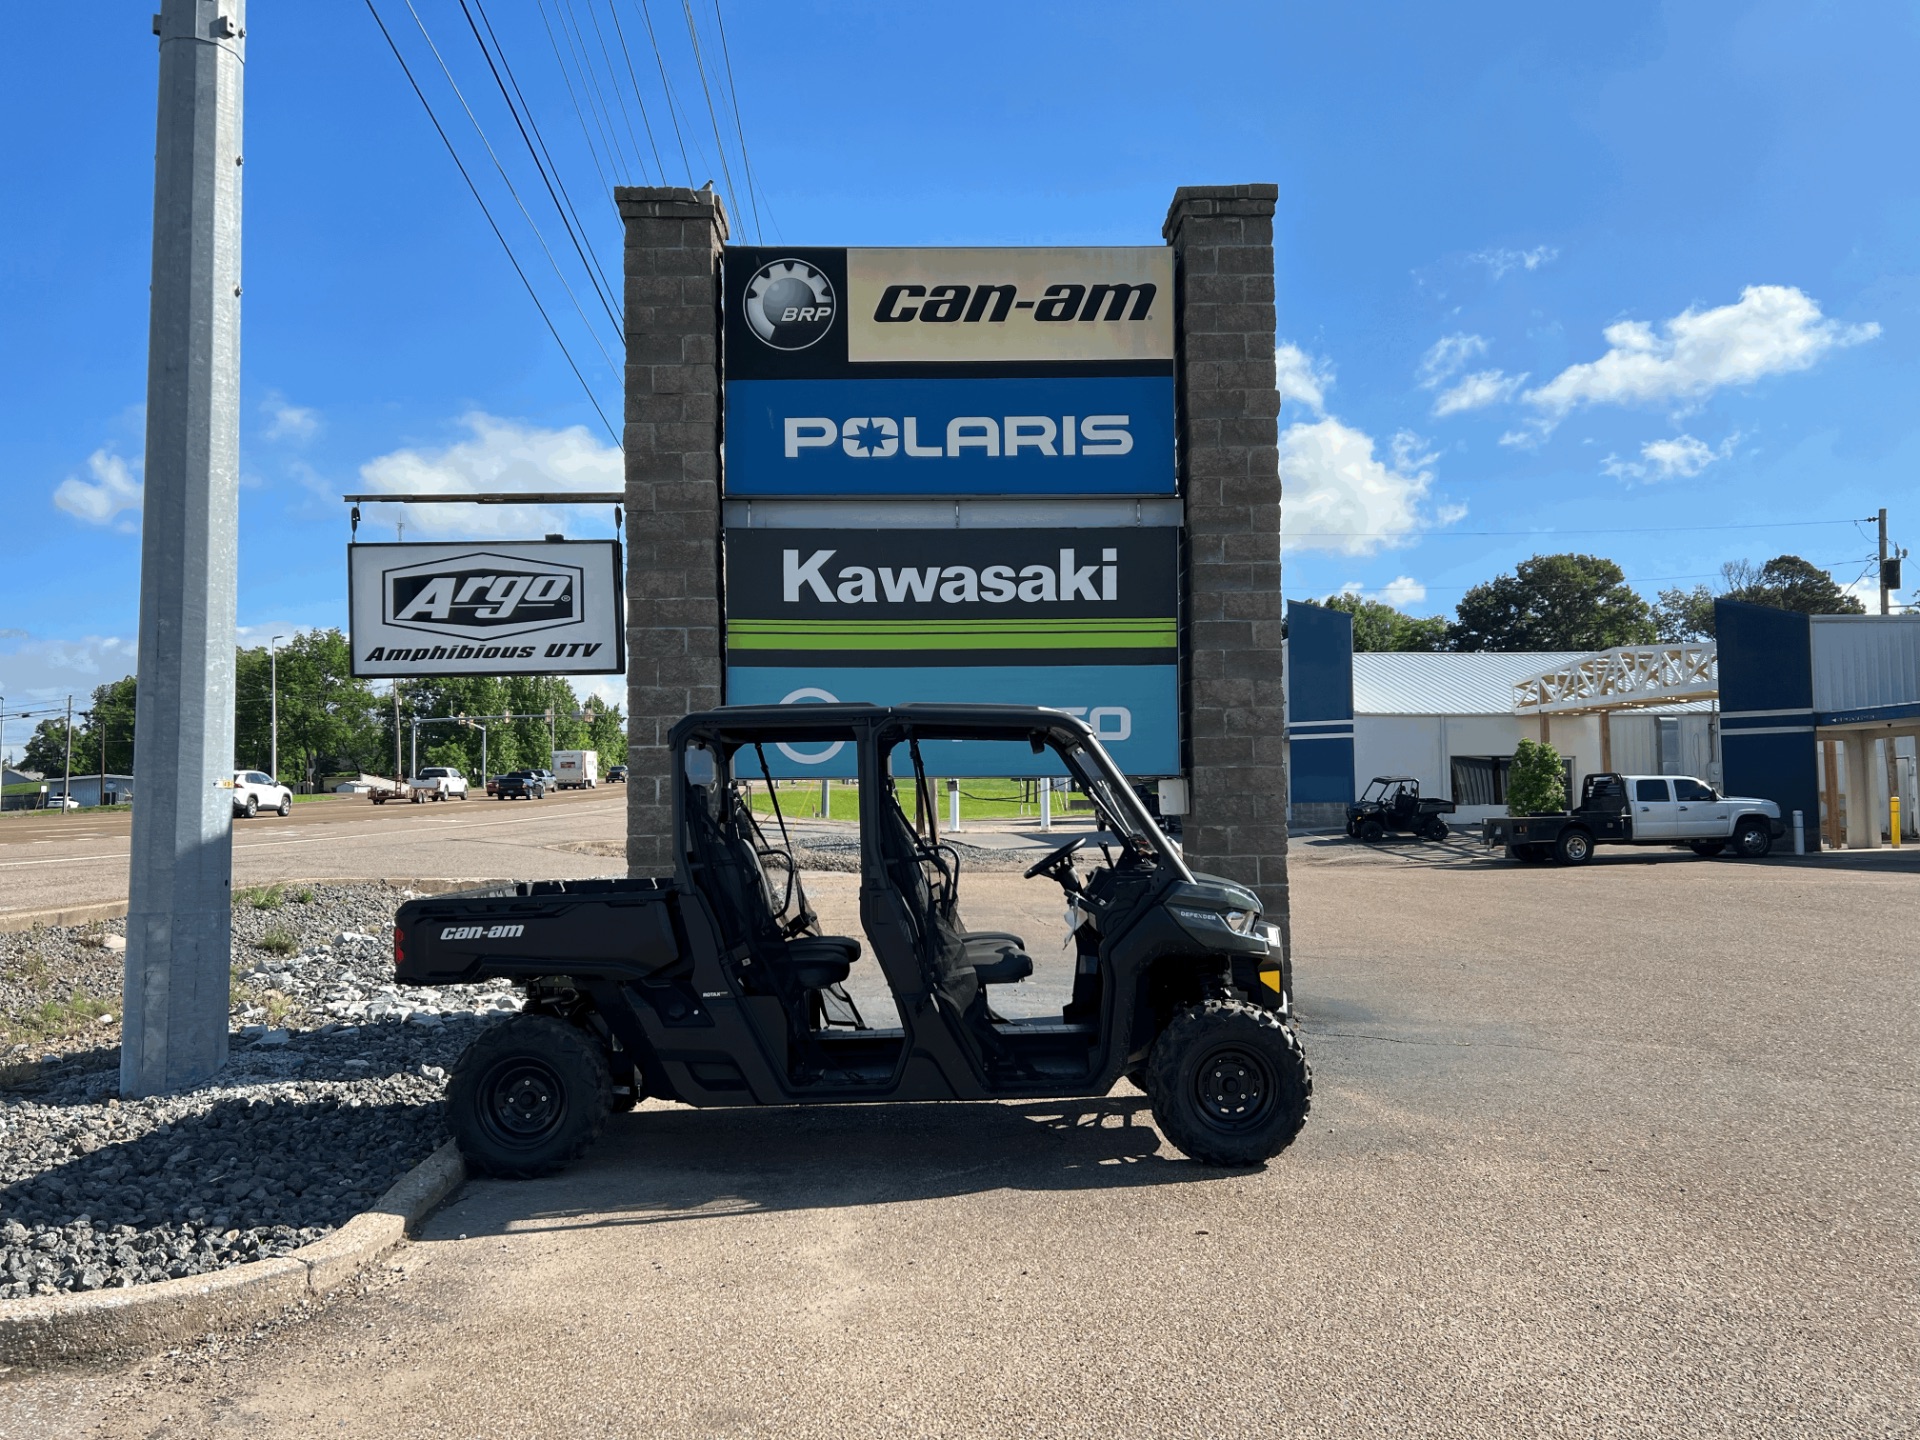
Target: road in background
{"type": "Point", "coordinates": [1622, 1149]}
{"type": "Point", "coordinates": [50, 860]}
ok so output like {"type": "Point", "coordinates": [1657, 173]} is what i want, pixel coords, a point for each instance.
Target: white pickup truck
{"type": "Point", "coordinates": [1614, 809]}
{"type": "Point", "coordinates": [438, 782]}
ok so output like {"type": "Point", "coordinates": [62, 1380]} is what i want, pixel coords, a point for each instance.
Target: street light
{"type": "Point", "coordinates": [273, 667]}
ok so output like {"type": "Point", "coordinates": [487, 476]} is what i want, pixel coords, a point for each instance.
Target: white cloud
{"type": "Point", "coordinates": [1681, 455]}
{"type": "Point", "coordinates": [287, 421]}
{"type": "Point", "coordinates": [38, 673]}
{"type": "Point", "coordinates": [100, 501]}
{"type": "Point", "coordinates": [500, 455]}
{"type": "Point", "coordinates": [1477, 391]}
{"type": "Point", "coordinates": [1302, 379]}
{"type": "Point", "coordinates": [1448, 354]}
{"type": "Point", "coordinates": [1770, 330]}
{"type": "Point", "coordinates": [1340, 496]}
{"type": "Point", "coordinates": [1399, 592]}
{"type": "Point", "coordinates": [1501, 262]}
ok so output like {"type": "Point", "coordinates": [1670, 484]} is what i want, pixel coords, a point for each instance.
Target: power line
{"type": "Point", "coordinates": [613, 83]}
{"type": "Point", "coordinates": [666, 87]}
{"type": "Point", "coordinates": [582, 245]}
{"type": "Point", "coordinates": [746, 161]}
{"type": "Point", "coordinates": [1575, 530]}
{"type": "Point", "coordinates": [507, 180]}
{"type": "Point", "coordinates": [492, 224]}
{"type": "Point", "coordinates": [589, 81]}
{"type": "Point", "coordinates": [579, 112]}
{"type": "Point", "coordinates": [700, 69]}
{"type": "Point", "coordinates": [659, 165]}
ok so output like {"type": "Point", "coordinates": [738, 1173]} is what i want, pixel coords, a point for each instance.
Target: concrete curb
{"type": "Point", "coordinates": [54, 1329]}
{"type": "Point", "coordinates": [13, 921]}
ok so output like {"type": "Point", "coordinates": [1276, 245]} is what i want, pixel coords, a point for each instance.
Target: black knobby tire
{"type": "Point", "coordinates": [1706, 849]}
{"type": "Point", "coordinates": [1371, 830]}
{"type": "Point", "coordinates": [529, 1096]}
{"type": "Point", "coordinates": [1575, 847]}
{"type": "Point", "coordinates": [1436, 829]}
{"type": "Point", "coordinates": [1752, 840]}
{"type": "Point", "coordinates": [1229, 1083]}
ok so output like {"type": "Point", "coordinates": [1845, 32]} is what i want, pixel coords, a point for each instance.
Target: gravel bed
{"type": "Point", "coordinates": [313, 1117]}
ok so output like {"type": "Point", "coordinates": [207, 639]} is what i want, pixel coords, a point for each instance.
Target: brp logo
{"type": "Point", "coordinates": [790, 304]}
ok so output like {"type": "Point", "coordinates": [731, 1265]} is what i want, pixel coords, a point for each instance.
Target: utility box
{"type": "Point", "coordinates": [576, 769]}
{"type": "Point", "coordinates": [1173, 796]}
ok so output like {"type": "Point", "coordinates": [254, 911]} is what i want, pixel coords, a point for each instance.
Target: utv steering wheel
{"type": "Point", "coordinates": [1041, 867]}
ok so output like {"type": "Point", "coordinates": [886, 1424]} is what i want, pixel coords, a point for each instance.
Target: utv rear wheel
{"type": "Point", "coordinates": [1436, 829]}
{"type": "Point", "coordinates": [528, 1096]}
{"type": "Point", "coordinates": [1229, 1083]}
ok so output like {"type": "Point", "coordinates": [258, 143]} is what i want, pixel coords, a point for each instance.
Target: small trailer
{"type": "Point", "coordinates": [576, 769]}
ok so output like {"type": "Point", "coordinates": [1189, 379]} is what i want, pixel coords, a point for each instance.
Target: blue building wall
{"type": "Point", "coordinates": [1766, 707]}
{"type": "Point", "coordinates": [1319, 704]}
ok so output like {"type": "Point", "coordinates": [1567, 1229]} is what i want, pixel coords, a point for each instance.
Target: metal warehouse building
{"type": "Point", "coordinates": [1807, 711]}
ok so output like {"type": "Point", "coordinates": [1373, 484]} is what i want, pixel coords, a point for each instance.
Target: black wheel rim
{"type": "Point", "coordinates": [1234, 1088]}
{"type": "Point", "coordinates": [522, 1101]}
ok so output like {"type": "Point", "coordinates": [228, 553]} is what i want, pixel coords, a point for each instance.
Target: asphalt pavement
{"type": "Point", "coordinates": [1624, 1150]}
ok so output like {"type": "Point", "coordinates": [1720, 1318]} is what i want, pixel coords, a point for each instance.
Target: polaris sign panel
{"type": "Point", "coordinates": [520, 608]}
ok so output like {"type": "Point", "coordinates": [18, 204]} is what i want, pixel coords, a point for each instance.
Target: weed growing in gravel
{"type": "Point", "coordinates": [279, 1007]}
{"type": "Point", "coordinates": [57, 1019]}
{"type": "Point", "coordinates": [278, 941]}
{"type": "Point", "coordinates": [261, 897]}
{"type": "Point", "coordinates": [303, 897]}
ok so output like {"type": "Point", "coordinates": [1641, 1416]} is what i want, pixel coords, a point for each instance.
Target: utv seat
{"type": "Point", "coordinates": [817, 961]}
{"type": "Point", "coordinates": [998, 959]}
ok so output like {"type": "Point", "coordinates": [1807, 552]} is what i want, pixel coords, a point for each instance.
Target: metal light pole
{"type": "Point", "coordinates": [273, 684]}
{"type": "Point", "coordinates": [180, 910]}
{"type": "Point", "coordinates": [66, 780]}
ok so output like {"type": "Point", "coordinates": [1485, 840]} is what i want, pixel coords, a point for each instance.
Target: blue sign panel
{"type": "Point", "coordinates": [1077, 435]}
{"type": "Point", "coordinates": [1134, 709]}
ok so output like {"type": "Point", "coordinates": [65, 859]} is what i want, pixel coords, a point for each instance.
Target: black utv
{"type": "Point", "coordinates": [715, 987]}
{"type": "Point", "coordinates": [1393, 804]}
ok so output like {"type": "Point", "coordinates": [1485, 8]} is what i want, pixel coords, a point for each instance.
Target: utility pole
{"type": "Point", "coordinates": [1883, 561]}
{"type": "Point", "coordinates": [66, 781]}
{"type": "Point", "coordinates": [180, 902]}
{"type": "Point", "coordinates": [273, 684]}
{"type": "Point", "coordinates": [397, 776]}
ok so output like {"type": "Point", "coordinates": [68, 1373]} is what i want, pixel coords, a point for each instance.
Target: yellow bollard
{"type": "Point", "coordinates": [1893, 813]}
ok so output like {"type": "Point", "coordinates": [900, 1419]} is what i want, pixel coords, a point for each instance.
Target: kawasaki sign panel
{"type": "Point", "coordinates": [517, 608]}
{"type": "Point", "coordinates": [1081, 619]}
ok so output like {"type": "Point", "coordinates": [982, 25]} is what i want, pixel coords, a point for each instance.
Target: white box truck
{"type": "Point", "coordinates": [576, 769]}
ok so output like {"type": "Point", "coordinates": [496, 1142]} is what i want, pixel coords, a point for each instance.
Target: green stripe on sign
{"type": "Point", "coordinates": [1099, 633]}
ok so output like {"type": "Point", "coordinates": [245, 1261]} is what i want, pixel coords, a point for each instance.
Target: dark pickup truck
{"type": "Point", "coordinates": [1674, 810]}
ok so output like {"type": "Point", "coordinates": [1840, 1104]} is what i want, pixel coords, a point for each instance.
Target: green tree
{"type": "Point", "coordinates": [1682, 615]}
{"type": "Point", "coordinates": [1378, 626]}
{"type": "Point", "coordinates": [328, 719]}
{"type": "Point", "coordinates": [1553, 602]}
{"type": "Point", "coordinates": [1787, 582]}
{"type": "Point", "coordinates": [1537, 780]}
{"type": "Point", "coordinates": [47, 748]}
{"type": "Point", "coordinates": [107, 735]}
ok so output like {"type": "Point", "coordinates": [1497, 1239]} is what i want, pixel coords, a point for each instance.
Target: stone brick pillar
{"type": "Point", "coordinates": [673, 242]}
{"type": "Point", "coordinates": [1222, 238]}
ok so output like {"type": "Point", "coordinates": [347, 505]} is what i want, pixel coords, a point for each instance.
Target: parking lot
{"type": "Point", "coordinates": [1626, 1149]}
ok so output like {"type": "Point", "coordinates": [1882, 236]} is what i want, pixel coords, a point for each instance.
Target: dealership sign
{"type": "Point", "coordinates": [518, 608]}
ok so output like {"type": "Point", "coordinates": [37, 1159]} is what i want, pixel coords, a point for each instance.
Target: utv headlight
{"type": "Point", "coordinates": [1240, 921]}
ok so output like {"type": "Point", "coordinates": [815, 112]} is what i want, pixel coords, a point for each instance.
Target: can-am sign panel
{"type": "Point", "coordinates": [518, 608]}
{"type": "Point", "coordinates": [811, 312]}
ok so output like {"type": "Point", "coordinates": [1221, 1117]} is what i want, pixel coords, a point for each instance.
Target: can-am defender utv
{"type": "Point", "coordinates": [1394, 803]}
{"type": "Point", "coordinates": [715, 987]}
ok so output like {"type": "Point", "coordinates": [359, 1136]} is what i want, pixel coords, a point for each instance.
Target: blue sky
{"type": "Point", "coordinates": [1643, 268]}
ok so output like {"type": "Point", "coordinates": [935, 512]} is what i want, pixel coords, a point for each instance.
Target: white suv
{"type": "Point", "coordinates": [254, 792]}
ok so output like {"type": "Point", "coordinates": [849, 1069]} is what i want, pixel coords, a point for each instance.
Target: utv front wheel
{"type": "Point", "coordinates": [1229, 1083]}
{"type": "Point", "coordinates": [528, 1096]}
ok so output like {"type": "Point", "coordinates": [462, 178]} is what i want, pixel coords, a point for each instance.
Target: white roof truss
{"type": "Point", "coordinates": [1624, 678]}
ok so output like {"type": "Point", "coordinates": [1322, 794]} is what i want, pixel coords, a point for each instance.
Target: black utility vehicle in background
{"type": "Point", "coordinates": [1393, 803]}
{"type": "Point", "coordinates": [714, 986]}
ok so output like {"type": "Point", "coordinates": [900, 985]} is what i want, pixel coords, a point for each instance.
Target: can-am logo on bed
{"type": "Point", "coordinates": [482, 595]}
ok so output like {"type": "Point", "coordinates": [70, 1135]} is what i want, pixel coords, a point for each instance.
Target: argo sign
{"type": "Point", "coordinates": [521, 608]}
